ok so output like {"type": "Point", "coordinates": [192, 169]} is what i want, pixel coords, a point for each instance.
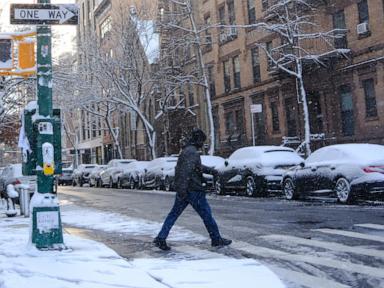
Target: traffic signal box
{"type": "Point", "coordinates": [32, 129]}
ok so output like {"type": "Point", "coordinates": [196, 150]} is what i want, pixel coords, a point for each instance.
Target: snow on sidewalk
{"type": "Point", "coordinates": [89, 264]}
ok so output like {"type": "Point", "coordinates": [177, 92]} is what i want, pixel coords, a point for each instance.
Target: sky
{"type": "Point", "coordinates": [65, 33]}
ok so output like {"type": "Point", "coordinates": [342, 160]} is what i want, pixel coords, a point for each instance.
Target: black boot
{"type": "Point", "coordinates": [220, 242]}
{"type": "Point", "coordinates": [162, 244]}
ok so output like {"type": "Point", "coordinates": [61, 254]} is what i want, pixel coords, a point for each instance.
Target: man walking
{"type": "Point", "coordinates": [188, 185]}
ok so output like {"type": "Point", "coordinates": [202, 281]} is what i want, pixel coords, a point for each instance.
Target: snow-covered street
{"type": "Point", "coordinates": [87, 263]}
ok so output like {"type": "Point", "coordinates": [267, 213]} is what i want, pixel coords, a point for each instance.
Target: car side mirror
{"type": "Point", "coordinates": [226, 163]}
{"type": "Point", "coordinates": [302, 164]}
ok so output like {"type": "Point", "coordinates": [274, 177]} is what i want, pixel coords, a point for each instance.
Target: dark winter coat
{"type": "Point", "coordinates": [189, 171]}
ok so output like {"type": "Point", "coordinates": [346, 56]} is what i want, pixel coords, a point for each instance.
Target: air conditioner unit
{"type": "Point", "coordinates": [223, 37]}
{"type": "Point", "coordinates": [233, 31]}
{"type": "Point", "coordinates": [362, 28]}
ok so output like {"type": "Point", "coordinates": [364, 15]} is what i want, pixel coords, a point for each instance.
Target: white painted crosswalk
{"type": "Point", "coordinates": [326, 245]}
{"type": "Point", "coordinates": [352, 234]}
{"type": "Point", "coordinates": [325, 255]}
{"type": "Point", "coordinates": [371, 226]}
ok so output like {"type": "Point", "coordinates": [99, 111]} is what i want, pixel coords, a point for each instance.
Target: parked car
{"type": "Point", "coordinates": [133, 174]}
{"type": "Point", "coordinates": [256, 170]}
{"type": "Point", "coordinates": [345, 171]}
{"type": "Point", "coordinates": [65, 178]}
{"type": "Point", "coordinates": [160, 173]}
{"type": "Point", "coordinates": [81, 174]}
{"type": "Point", "coordinates": [212, 162]}
{"type": "Point", "coordinates": [94, 177]}
{"type": "Point", "coordinates": [12, 174]}
{"type": "Point", "coordinates": [110, 176]}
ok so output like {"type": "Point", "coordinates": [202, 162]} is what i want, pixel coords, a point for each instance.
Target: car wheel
{"type": "Point", "coordinates": [219, 189]}
{"type": "Point", "coordinates": [289, 189]}
{"type": "Point", "coordinates": [250, 187]}
{"type": "Point", "coordinates": [111, 183]}
{"type": "Point", "coordinates": [343, 191]}
{"type": "Point", "coordinates": [167, 184]}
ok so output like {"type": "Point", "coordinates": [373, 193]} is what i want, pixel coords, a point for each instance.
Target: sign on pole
{"type": "Point", "coordinates": [256, 108]}
{"type": "Point", "coordinates": [48, 14]}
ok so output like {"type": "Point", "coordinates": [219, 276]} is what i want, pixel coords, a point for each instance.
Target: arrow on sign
{"type": "Point", "coordinates": [44, 14]}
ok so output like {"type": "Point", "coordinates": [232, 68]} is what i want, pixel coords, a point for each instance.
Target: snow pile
{"type": "Point", "coordinates": [113, 222]}
{"type": "Point", "coordinates": [89, 264]}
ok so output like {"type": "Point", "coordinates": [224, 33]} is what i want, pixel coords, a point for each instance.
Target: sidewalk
{"type": "Point", "coordinates": [87, 263]}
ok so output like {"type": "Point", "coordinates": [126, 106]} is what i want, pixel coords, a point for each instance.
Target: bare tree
{"type": "Point", "coordinates": [302, 42]}
{"type": "Point", "coordinates": [184, 30]}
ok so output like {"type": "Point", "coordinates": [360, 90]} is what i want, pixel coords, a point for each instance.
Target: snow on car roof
{"type": "Point", "coordinates": [256, 151]}
{"type": "Point", "coordinates": [212, 161]}
{"type": "Point", "coordinates": [361, 152]}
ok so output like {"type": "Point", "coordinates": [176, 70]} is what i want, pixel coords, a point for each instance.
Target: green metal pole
{"type": "Point", "coordinates": [46, 221]}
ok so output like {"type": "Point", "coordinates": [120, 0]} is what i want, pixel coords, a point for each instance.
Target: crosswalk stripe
{"type": "Point", "coordinates": [287, 275]}
{"type": "Point", "coordinates": [351, 234]}
{"type": "Point", "coordinates": [326, 245]}
{"type": "Point", "coordinates": [315, 260]}
{"type": "Point", "coordinates": [305, 279]}
{"type": "Point", "coordinates": [371, 226]}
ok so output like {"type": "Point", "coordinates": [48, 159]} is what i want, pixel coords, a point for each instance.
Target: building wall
{"type": "Point", "coordinates": [273, 89]}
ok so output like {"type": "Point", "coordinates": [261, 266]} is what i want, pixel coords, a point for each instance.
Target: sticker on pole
{"type": "Point", "coordinates": [47, 221]}
{"type": "Point", "coordinates": [36, 14]}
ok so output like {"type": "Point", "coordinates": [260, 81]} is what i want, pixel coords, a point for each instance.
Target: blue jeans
{"type": "Point", "coordinates": [201, 206]}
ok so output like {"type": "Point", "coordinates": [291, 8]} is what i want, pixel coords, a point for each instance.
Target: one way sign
{"type": "Point", "coordinates": [67, 14]}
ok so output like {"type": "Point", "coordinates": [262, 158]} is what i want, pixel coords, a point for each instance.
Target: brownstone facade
{"type": "Point", "coordinates": [346, 98]}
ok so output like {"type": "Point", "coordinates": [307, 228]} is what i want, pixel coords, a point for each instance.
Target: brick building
{"type": "Point", "coordinates": [346, 99]}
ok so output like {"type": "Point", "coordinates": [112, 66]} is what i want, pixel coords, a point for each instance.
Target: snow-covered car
{"type": "Point", "coordinates": [94, 177]}
{"type": "Point", "coordinates": [81, 174]}
{"type": "Point", "coordinates": [65, 178]}
{"type": "Point", "coordinates": [212, 162]}
{"type": "Point", "coordinates": [256, 170]}
{"type": "Point", "coordinates": [110, 176]}
{"type": "Point", "coordinates": [347, 171]}
{"type": "Point", "coordinates": [160, 173]}
{"type": "Point", "coordinates": [12, 174]}
{"type": "Point", "coordinates": [132, 176]}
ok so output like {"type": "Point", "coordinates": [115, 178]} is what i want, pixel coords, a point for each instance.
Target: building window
{"type": "Point", "coordinates": [290, 113]}
{"type": "Point", "coordinates": [363, 11]}
{"type": "Point", "coordinates": [264, 4]}
{"type": "Point", "coordinates": [231, 12]}
{"type": "Point", "coordinates": [275, 117]}
{"type": "Point", "coordinates": [347, 117]}
{"type": "Point", "coordinates": [222, 20]}
{"type": "Point", "coordinates": [234, 122]}
{"type": "Point", "coordinates": [208, 36]}
{"type": "Point", "coordinates": [211, 81]}
{"type": "Point", "coordinates": [105, 27]}
{"type": "Point", "coordinates": [191, 98]}
{"type": "Point", "coordinates": [227, 76]}
{"type": "Point", "coordinates": [370, 98]}
{"type": "Point", "coordinates": [251, 12]}
{"type": "Point", "coordinates": [236, 71]}
{"type": "Point", "coordinates": [339, 23]}
{"type": "Point", "coordinates": [256, 65]}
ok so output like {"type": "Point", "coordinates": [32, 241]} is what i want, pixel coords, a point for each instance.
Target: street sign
{"type": "Point", "coordinates": [256, 108]}
{"type": "Point", "coordinates": [37, 14]}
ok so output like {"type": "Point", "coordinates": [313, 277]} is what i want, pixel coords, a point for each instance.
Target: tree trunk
{"type": "Point", "coordinates": [303, 94]}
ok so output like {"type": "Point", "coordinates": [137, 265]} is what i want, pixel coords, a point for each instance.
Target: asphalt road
{"type": "Point", "coordinates": [307, 243]}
